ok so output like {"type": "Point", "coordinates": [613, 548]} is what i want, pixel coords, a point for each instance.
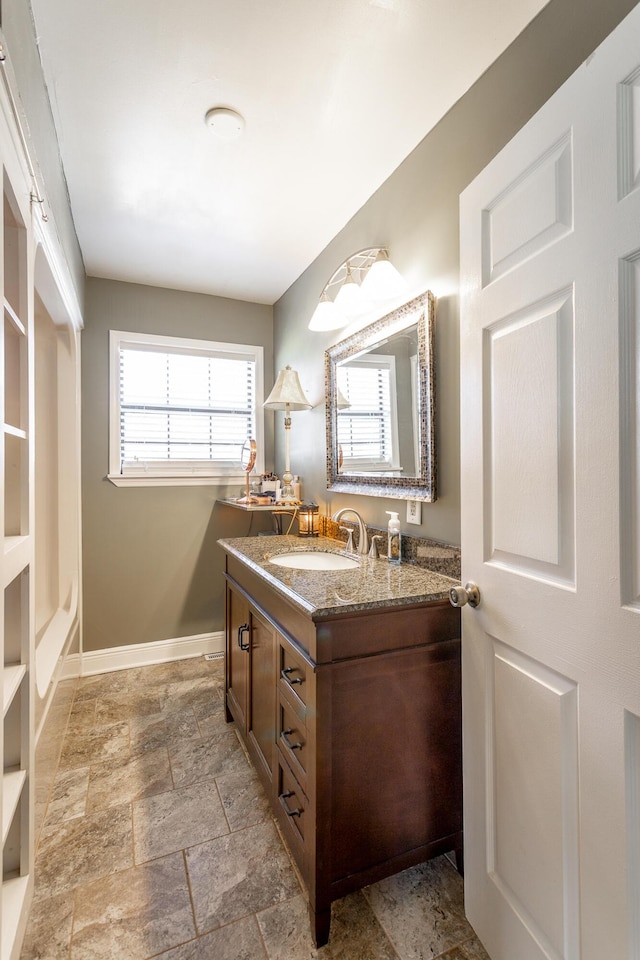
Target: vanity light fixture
{"type": "Point", "coordinates": [364, 280]}
{"type": "Point", "coordinates": [308, 520]}
{"type": "Point", "coordinates": [287, 395]}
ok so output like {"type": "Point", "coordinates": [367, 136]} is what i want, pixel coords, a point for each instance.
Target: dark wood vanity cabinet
{"type": "Point", "coordinates": [250, 678]}
{"type": "Point", "coordinates": [354, 725]}
{"type": "Point", "coordinates": [237, 657]}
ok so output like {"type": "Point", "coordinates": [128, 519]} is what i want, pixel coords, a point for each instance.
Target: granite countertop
{"type": "Point", "coordinates": [324, 593]}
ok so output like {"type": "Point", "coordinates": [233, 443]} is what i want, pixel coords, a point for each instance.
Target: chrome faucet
{"type": "Point", "coordinates": [363, 537]}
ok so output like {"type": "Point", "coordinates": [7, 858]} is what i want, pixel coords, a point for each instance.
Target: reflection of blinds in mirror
{"type": "Point", "coordinates": [366, 426]}
{"type": "Point", "coordinates": [184, 407]}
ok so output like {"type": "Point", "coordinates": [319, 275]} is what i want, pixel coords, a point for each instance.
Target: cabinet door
{"type": "Point", "coordinates": [238, 652]}
{"type": "Point", "coordinates": [262, 717]}
{"type": "Point", "coordinates": [396, 770]}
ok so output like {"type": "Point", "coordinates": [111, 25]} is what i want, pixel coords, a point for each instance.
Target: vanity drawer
{"type": "Point", "coordinates": [292, 811]}
{"type": "Point", "coordinates": [294, 674]}
{"type": "Point", "coordinates": [292, 740]}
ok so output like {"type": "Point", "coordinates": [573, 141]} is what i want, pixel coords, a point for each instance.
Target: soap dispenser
{"type": "Point", "coordinates": [393, 538]}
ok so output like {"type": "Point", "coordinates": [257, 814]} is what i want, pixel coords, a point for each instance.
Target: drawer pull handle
{"type": "Point", "coordinates": [284, 674]}
{"type": "Point", "coordinates": [243, 629]}
{"type": "Point", "coordinates": [285, 734]}
{"type": "Point", "coordinates": [283, 800]}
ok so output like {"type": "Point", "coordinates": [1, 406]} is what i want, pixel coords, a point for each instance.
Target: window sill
{"type": "Point", "coordinates": [193, 480]}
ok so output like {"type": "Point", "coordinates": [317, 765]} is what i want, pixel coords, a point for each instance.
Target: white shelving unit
{"type": "Point", "coordinates": [40, 482]}
{"type": "Point", "coordinates": [16, 563]}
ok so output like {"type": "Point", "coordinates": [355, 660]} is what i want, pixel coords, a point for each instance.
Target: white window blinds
{"type": "Point", "coordinates": [367, 426]}
{"type": "Point", "coordinates": [182, 408]}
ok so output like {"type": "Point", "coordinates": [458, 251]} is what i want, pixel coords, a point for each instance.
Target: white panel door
{"type": "Point", "coordinates": [550, 371]}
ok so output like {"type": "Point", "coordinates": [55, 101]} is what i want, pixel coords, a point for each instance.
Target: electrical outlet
{"type": "Point", "coordinates": [414, 511]}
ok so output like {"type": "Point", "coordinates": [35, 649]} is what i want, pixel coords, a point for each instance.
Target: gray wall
{"type": "Point", "coordinates": [151, 566]}
{"type": "Point", "coordinates": [152, 569]}
{"type": "Point", "coordinates": [415, 213]}
{"type": "Point", "coordinates": [19, 30]}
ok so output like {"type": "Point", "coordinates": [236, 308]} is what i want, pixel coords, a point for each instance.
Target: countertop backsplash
{"type": "Point", "coordinates": [433, 555]}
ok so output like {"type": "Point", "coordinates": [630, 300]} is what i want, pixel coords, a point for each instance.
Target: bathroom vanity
{"type": "Point", "coordinates": [345, 686]}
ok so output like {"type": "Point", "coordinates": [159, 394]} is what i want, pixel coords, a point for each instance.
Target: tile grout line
{"type": "Point", "coordinates": [191, 897]}
{"type": "Point", "coordinates": [456, 946]}
{"type": "Point", "coordinates": [215, 781]}
{"type": "Point", "coordinates": [379, 920]}
{"type": "Point", "coordinates": [262, 940]}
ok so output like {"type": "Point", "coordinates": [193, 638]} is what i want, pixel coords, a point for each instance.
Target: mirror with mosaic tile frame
{"type": "Point", "coordinates": [380, 406]}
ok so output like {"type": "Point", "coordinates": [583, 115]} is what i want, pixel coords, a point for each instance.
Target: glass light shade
{"type": "Point", "coordinates": [383, 281]}
{"type": "Point", "coordinates": [327, 316]}
{"type": "Point", "coordinates": [348, 296]}
{"type": "Point", "coordinates": [287, 392]}
{"type": "Point", "coordinates": [308, 520]}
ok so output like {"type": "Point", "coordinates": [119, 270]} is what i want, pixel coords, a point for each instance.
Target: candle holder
{"type": "Point", "coordinates": [308, 520]}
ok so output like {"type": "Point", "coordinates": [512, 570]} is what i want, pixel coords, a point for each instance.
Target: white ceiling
{"type": "Point", "coordinates": [335, 94]}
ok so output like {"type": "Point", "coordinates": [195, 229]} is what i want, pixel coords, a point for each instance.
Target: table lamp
{"type": "Point", "coordinates": [287, 395]}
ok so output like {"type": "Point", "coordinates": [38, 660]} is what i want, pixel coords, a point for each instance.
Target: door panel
{"type": "Point", "coordinates": [533, 793]}
{"type": "Point", "coordinates": [550, 412]}
{"type": "Point", "coordinates": [262, 723]}
{"type": "Point", "coordinates": [528, 358]}
{"type": "Point", "coordinates": [532, 212]}
{"type": "Point", "coordinates": [237, 662]}
{"type": "Point", "coordinates": [632, 758]}
{"type": "Point", "coordinates": [630, 422]}
{"type": "Point", "coordinates": [629, 133]}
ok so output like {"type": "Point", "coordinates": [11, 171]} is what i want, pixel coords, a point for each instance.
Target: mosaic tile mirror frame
{"type": "Point", "coordinates": [384, 447]}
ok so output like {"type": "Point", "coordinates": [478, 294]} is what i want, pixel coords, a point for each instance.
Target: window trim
{"type": "Point", "coordinates": [163, 476]}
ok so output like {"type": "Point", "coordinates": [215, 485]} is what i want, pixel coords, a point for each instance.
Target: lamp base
{"type": "Point", "coordinates": [286, 490]}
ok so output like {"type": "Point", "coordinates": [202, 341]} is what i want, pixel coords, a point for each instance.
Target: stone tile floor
{"type": "Point", "coordinates": [156, 840]}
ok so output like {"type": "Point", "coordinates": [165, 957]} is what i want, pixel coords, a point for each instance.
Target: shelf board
{"type": "Point", "coordinates": [13, 543]}
{"type": "Point", "coordinates": [14, 893]}
{"type": "Point", "coordinates": [12, 783]}
{"type": "Point", "coordinates": [14, 318]}
{"type": "Point", "coordinates": [11, 680]}
{"type": "Point", "coordinates": [17, 556]}
{"type": "Point", "coordinates": [257, 507]}
{"type": "Point", "coordinates": [12, 431]}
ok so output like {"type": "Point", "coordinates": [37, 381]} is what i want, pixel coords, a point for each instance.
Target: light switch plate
{"type": "Point", "coordinates": [414, 511]}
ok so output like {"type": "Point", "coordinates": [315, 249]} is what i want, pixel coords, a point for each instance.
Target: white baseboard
{"type": "Point", "coordinates": [140, 654]}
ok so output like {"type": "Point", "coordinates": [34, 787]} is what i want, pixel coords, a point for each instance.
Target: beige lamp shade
{"type": "Point", "coordinates": [287, 392]}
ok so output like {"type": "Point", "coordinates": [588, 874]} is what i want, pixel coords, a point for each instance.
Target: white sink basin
{"type": "Point", "coordinates": [315, 560]}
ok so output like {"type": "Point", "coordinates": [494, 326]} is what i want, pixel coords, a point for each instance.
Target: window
{"type": "Point", "coordinates": [367, 421]}
{"type": "Point", "coordinates": [181, 410]}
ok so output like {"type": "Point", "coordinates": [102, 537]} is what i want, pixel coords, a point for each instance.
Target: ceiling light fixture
{"type": "Point", "coordinates": [365, 280]}
{"type": "Point", "coordinates": [227, 124]}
